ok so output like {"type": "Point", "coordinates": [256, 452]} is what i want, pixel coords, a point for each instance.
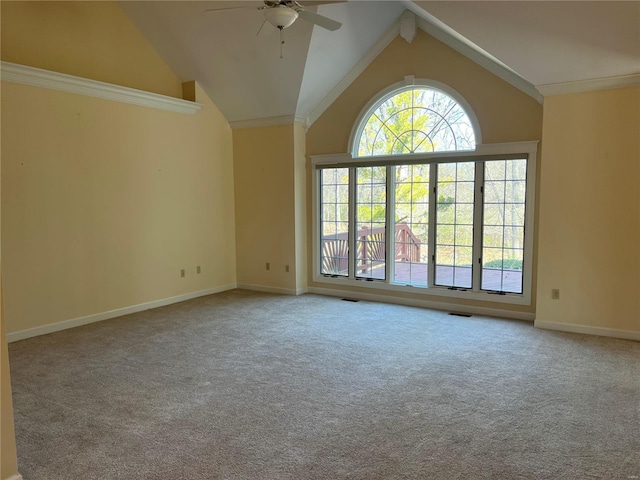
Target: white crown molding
{"type": "Point", "coordinates": [482, 58]}
{"type": "Point", "coordinates": [268, 122]}
{"type": "Point", "coordinates": [37, 77]}
{"type": "Point", "coordinates": [119, 312]}
{"type": "Point", "coordinates": [589, 85]}
{"type": "Point", "coordinates": [588, 330]}
{"type": "Point", "coordinates": [354, 73]}
{"type": "Point", "coordinates": [462, 45]}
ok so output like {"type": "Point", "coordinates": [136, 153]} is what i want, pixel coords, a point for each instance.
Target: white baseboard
{"type": "Point", "coordinates": [264, 288]}
{"type": "Point", "coordinates": [119, 312]}
{"type": "Point", "coordinates": [600, 331]}
{"type": "Point", "coordinates": [17, 476]}
{"type": "Point", "coordinates": [449, 307]}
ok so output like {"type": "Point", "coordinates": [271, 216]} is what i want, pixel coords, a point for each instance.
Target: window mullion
{"type": "Point", "coordinates": [352, 223]}
{"type": "Point", "coordinates": [390, 235]}
{"type": "Point", "coordinates": [431, 234]}
{"type": "Point", "coordinates": [478, 203]}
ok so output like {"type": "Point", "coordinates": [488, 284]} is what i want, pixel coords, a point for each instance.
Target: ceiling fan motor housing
{"type": "Point", "coordinates": [281, 16]}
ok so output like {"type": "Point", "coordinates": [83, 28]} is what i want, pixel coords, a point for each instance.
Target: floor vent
{"type": "Point", "coordinates": [350, 300]}
{"type": "Point", "coordinates": [460, 314]}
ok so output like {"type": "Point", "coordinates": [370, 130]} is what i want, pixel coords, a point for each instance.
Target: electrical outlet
{"type": "Point", "coordinates": [198, 269]}
{"type": "Point", "coordinates": [555, 294]}
{"type": "Point", "coordinates": [286, 268]}
{"type": "Point", "coordinates": [268, 266]}
{"type": "Point", "coordinates": [182, 272]}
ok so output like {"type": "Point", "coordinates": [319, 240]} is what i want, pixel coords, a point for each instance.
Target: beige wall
{"type": "Point", "coordinates": [88, 39]}
{"type": "Point", "coordinates": [300, 199]}
{"type": "Point", "coordinates": [265, 206]}
{"type": "Point", "coordinates": [8, 461]}
{"type": "Point", "coordinates": [104, 203]}
{"type": "Point", "coordinates": [505, 115]}
{"type": "Point", "coordinates": [589, 230]}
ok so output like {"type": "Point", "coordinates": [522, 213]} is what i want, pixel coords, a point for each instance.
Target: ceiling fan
{"type": "Point", "coordinates": [283, 13]}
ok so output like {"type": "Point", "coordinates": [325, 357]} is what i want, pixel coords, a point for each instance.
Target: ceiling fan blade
{"type": "Point", "coordinates": [261, 27]}
{"type": "Point", "coordinates": [313, 3]}
{"type": "Point", "coordinates": [319, 20]}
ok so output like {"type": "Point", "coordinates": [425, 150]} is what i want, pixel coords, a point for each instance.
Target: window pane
{"type": "Point", "coordinates": [454, 225]}
{"type": "Point", "coordinates": [494, 190]}
{"type": "Point", "coordinates": [334, 222]}
{"type": "Point", "coordinates": [514, 191]}
{"type": "Point", "coordinates": [493, 214]}
{"type": "Point", "coordinates": [371, 222]}
{"type": "Point", "coordinates": [464, 213]}
{"type": "Point", "coordinates": [493, 236]}
{"type": "Point", "coordinates": [465, 192]}
{"type": "Point", "coordinates": [420, 212]}
{"type": "Point", "coordinates": [466, 171]}
{"type": "Point", "coordinates": [343, 193]}
{"type": "Point", "coordinates": [493, 171]}
{"type": "Point", "coordinates": [503, 226]}
{"type": "Point", "coordinates": [411, 219]}
{"type": "Point", "coordinates": [364, 193]}
{"type": "Point", "coordinates": [329, 176]}
{"type": "Point", "coordinates": [403, 211]}
{"type": "Point", "coordinates": [445, 256]}
{"type": "Point", "coordinates": [464, 235]}
{"type": "Point", "coordinates": [446, 172]}
{"type": "Point", "coordinates": [329, 194]}
{"type": "Point", "coordinates": [517, 169]}
{"type": "Point", "coordinates": [415, 119]}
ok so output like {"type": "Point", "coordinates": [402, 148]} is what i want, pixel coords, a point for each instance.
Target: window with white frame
{"type": "Point", "coordinates": [414, 120]}
{"type": "Point", "coordinates": [418, 204]}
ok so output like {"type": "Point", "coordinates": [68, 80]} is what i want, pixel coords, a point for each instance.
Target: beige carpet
{"type": "Point", "coordinates": [244, 385]}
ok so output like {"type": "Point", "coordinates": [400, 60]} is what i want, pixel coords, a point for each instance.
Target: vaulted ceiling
{"type": "Point", "coordinates": [535, 45]}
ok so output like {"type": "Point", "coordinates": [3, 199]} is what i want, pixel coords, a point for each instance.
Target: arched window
{"type": "Point", "coordinates": [414, 119]}
{"type": "Point", "coordinates": [419, 201]}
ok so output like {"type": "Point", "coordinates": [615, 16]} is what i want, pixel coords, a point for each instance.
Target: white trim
{"type": "Point", "coordinates": [354, 73]}
{"type": "Point", "coordinates": [17, 476]}
{"type": "Point", "coordinates": [330, 159]}
{"type": "Point", "coordinates": [97, 317]}
{"type": "Point", "coordinates": [589, 85]}
{"type": "Point", "coordinates": [473, 52]}
{"type": "Point", "coordinates": [434, 291]}
{"type": "Point", "coordinates": [268, 289]}
{"type": "Point", "coordinates": [337, 159]}
{"type": "Point", "coordinates": [268, 122]}
{"type": "Point", "coordinates": [408, 28]}
{"type": "Point", "coordinates": [411, 302]}
{"type": "Point", "coordinates": [411, 82]}
{"type": "Point", "coordinates": [37, 77]}
{"type": "Point", "coordinates": [529, 148]}
{"type": "Point", "coordinates": [585, 329]}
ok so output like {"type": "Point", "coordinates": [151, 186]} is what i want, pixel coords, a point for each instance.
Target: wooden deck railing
{"type": "Point", "coordinates": [370, 244]}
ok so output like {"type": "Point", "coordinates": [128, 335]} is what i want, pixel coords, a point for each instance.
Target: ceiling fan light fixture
{"type": "Point", "coordinates": [281, 17]}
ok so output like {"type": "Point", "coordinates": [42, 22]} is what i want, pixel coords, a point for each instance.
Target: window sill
{"type": "Point", "coordinates": [427, 292]}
